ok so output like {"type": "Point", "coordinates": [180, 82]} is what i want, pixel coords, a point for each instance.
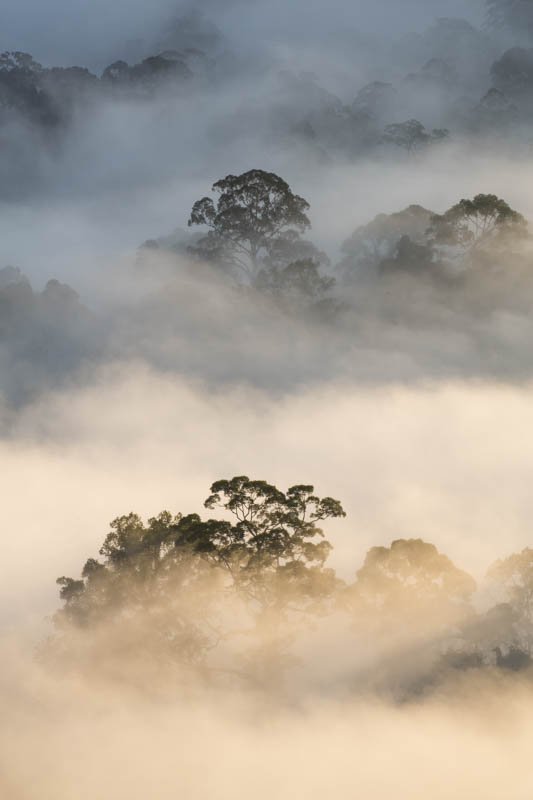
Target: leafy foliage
{"type": "Point", "coordinates": [298, 281]}
{"type": "Point", "coordinates": [373, 244]}
{"type": "Point", "coordinates": [179, 584]}
{"type": "Point", "coordinates": [412, 578]}
{"type": "Point", "coordinates": [472, 223]}
{"type": "Point", "coordinates": [255, 214]}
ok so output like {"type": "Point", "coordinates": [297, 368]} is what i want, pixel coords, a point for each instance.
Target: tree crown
{"type": "Point", "coordinates": [254, 212]}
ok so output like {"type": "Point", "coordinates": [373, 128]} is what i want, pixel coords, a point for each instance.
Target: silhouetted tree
{"type": "Point", "coordinates": [411, 135]}
{"type": "Point", "coordinates": [149, 73]}
{"type": "Point", "coordinates": [22, 91]}
{"type": "Point", "coordinates": [413, 582]}
{"type": "Point", "coordinates": [180, 585]}
{"type": "Point", "coordinates": [472, 223]}
{"type": "Point", "coordinates": [374, 243]}
{"type": "Point", "coordinates": [409, 257]}
{"type": "Point", "coordinates": [513, 72]}
{"type": "Point", "coordinates": [255, 213]}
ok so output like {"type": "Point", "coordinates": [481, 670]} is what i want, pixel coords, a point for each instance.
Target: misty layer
{"type": "Point", "coordinates": [253, 300]}
{"type": "Point", "coordinates": [291, 245]}
{"type": "Point", "coordinates": [371, 99]}
{"type": "Point", "coordinates": [228, 599]}
{"type": "Point", "coordinates": [407, 465]}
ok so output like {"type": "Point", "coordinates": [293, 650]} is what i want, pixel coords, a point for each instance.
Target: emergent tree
{"type": "Point", "coordinates": [470, 224]}
{"type": "Point", "coordinates": [255, 214]}
{"type": "Point", "coordinates": [182, 589]}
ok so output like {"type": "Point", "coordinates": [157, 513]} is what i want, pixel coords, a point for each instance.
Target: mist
{"type": "Point", "coordinates": [265, 399]}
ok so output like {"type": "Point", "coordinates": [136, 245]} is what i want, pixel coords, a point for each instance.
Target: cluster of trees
{"type": "Point", "coordinates": [193, 586]}
{"type": "Point", "coordinates": [452, 70]}
{"type": "Point", "coordinates": [471, 235]}
{"type": "Point", "coordinates": [231, 595]}
{"type": "Point", "coordinates": [46, 96]}
{"type": "Point", "coordinates": [254, 232]}
{"type": "Point", "coordinates": [462, 80]}
{"type": "Point", "coordinates": [190, 49]}
{"type": "Point", "coordinates": [44, 335]}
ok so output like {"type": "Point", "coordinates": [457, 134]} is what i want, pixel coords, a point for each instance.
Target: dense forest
{"type": "Point", "coordinates": [281, 242]}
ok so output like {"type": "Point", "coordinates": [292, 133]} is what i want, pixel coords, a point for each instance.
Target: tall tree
{"type": "Point", "coordinates": [470, 224]}
{"type": "Point", "coordinates": [273, 555]}
{"type": "Point", "coordinates": [411, 580]}
{"type": "Point", "coordinates": [180, 588]}
{"type": "Point", "coordinates": [255, 214]}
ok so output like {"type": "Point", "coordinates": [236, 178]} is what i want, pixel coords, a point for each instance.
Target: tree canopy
{"type": "Point", "coordinates": [256, 212]}
{"type": "Point", "coordinates": [230, 596]}
{"type": "Point", "coordinates": [412, 135]}
{"type": "Point", "coordinates": [184, 587]}
{"type": "Point", "coordinates": [514, 576]}
{"type": "Point", "coordinates": [470, 224]}
{"type": "Point", "coordinates": [412, 579]}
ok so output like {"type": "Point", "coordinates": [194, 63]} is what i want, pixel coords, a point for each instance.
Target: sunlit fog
{"type": "Point", "coordinates": [266, 399]}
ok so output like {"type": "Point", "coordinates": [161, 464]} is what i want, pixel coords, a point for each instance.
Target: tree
{"type": "Point", "coordinates": [494, 112]}
{"type": "Point", "coordinates": [411, 580]}
{"type": "Point", "coordinates": [471, 224]}
{"type": "Point", "coordinates": [411, 135]}
{"type": "Point", "coordinates": [408, 604]}
{"type": "Point", "coordinates": [410, 257]}
{"type": "Point", "coordinates": [10, 60]}
{"type": "Point", "coordinates": [514, 578]}
{"type": "Point", "coordinates": [375, 99]}
{"type": "Point", "coordinates": [147, 600]}
{"type": "Point", "coordinates": [150, 73]}
{"type": "Point", "coordinates": [373, 244]}
{"type": "Point", "coordinates": [180, 587]}
{"type": "Point", "coordinates": [255, 213]}
{"type": "Point", "coordinates": [298, 281]}
{"type": "Point", "coordinates": [22, 90]}
{"type": "Point", "coordinates": [513, 72]}
{"type": "Point", "coordinates": [285, 251]}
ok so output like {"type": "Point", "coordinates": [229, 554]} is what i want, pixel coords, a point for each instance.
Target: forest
{"type": "Point", "coordinates": [228, 599]}
{"type": "Point", "coordinates": [266, 390]}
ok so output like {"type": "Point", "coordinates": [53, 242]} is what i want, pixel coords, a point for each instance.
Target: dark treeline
{"type": "Point", "coordinates": [231, 597]}
{"type": "Point", "coordinates": [453, 79]}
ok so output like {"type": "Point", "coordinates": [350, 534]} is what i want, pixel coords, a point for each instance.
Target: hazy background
{"type": "Point", "coordinates": [64, 33]}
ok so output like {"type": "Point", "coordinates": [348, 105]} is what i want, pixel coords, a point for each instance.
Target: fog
{"type": "Point", "coordinates": [435, 462]}
{"type": "Point", "coordinates": [360, 623]}
{"type": "Point", "coordinates": [441, 751]}
{"type": "Point", "coordinates": [64, 32]}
